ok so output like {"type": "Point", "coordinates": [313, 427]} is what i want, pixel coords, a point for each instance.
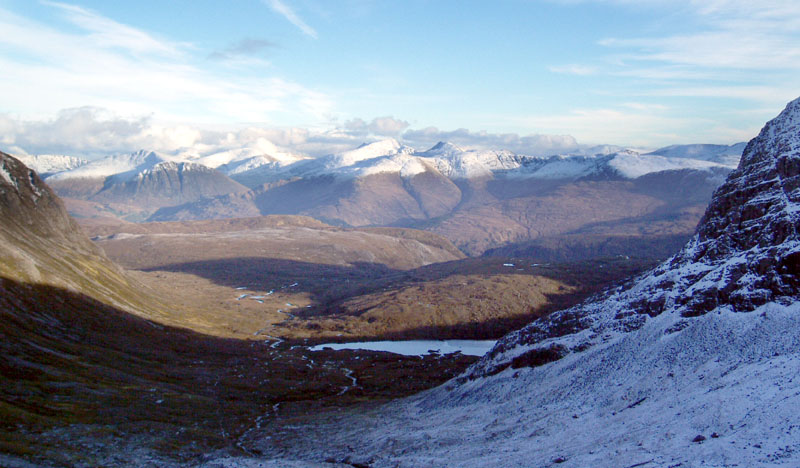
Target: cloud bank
{"type": "Point", "coordinates": [92, 133]}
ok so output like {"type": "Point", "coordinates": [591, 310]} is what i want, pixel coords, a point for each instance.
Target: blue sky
{"type": "Point", "coordinates": [306, 73]}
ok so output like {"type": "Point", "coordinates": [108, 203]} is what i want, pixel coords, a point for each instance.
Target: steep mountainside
{"type": "Point", "coordinates": [41, 244]}
{"type": "Point", "coordinates": [746, 253]}
{"type": "Point", "coordinates": [693, 364]}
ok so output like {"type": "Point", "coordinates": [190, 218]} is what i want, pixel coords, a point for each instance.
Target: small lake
{"type": "Point", "coordinates": [416, 347]}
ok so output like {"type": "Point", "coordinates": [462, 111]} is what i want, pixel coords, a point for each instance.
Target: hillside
{"type": "Point", "coordinates": [41, 244]}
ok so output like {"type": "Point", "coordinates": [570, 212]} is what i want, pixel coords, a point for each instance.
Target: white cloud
{"type": "Point", "coordinates": [93, 132]}
{"type": "Point", "coordinates": [729, 49]}
{"type": "Point", "coordinates": [108, 33]}
{"type": "Point", "coordinates": [527, 144]}
{"type": "Point", "coordinates": [290, 15]}
{"type": "Point", "coordinates": [380, 126]}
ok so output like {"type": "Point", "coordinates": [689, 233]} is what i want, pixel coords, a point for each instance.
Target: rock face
{"type": "Point", "coordinates": [168, 183]}
{"type": "Point", "coordinates": [745, 253]}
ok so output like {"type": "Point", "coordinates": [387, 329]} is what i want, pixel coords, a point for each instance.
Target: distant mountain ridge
{"type": "Point", "coordinates": [49, 164]}
{"type": "Point", "coordinates": [479, 199]}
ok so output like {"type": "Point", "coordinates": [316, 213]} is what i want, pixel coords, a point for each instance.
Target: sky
{"type": "Point", "coordinates": [93, 77]}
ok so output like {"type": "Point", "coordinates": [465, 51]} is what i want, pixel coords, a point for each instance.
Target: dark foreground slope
{"type": "Point", "coordinates": [694, 364]}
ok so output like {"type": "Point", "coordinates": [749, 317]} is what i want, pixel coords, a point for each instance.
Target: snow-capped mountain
{"type": "Point", "coordinates": [249, 163]}
{"type": "Point", "coordinates": [143, 181]}
{"type": "Point", "coordinates": [453, 162]}
{"type": "Point", "coordinates": [481, 199]}
{"type": "Point", "coordinates": [457, 163]}
{"type": "Point", "coordinates": [123, 166]}
{"type": "Point", "coordinates": [693, 364]}
{"type": "Point", "coordinates": [47, 164]}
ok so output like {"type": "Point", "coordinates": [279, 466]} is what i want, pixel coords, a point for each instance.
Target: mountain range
{"type": "Point", "coordinates": [479, 199]}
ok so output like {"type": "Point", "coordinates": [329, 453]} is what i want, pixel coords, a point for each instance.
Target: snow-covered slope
{"type": "Point", "coordinates": [239, 160]}
{"type": "Point", "coordinates": [457, 163]}
{"type": "Point", "coordinates": [125, 166]}
{"type": "Point", "coordinates": [693, 364]}
{"type": "Point", "coordinates": [47, 164]}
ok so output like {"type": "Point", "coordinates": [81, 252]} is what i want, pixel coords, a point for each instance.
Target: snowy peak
{"type": "Point", "coordinates": [746, 254]}
{"type": "Point", "coordinates": [443, 148]}
{"type": "Point", "coordinates": [365, 152]}
{"type": "Point", "coordinates": [122, 165]}
{"type": "Point", "coordinates": [239, 160]}
{"type": "Point", "coordinates": [47, 164]}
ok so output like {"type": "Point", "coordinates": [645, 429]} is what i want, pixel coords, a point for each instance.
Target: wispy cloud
{"type": "Point", "coordinates": [640, 125]}
{"type": "Point", "coordinates": [734, 49]}
{"type": "Point", "coordinates": [290, 15]}
{"type": "Point", "coordinates": [103, 63]}
{"type": "Point", "coordinates": [247, 47]}
{"type": "Point", "coordinates": [109, 33]}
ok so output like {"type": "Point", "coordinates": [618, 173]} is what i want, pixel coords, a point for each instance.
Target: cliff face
{"type": "Point", "coordinates": [745, 253]}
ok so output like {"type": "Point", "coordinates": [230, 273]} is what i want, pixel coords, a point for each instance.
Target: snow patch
{"type": "Point", "coordinates": [6, 176]}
